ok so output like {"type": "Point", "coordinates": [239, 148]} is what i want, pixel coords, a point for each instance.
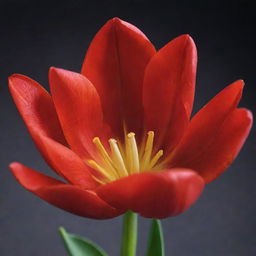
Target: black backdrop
{"type": "Point", "coordinates": [35, 35]}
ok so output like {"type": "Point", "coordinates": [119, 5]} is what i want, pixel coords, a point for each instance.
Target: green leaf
{"type": "Point", "coordinates": [155, 240]}
{"type": "Point", "coordinates": [79, 246]}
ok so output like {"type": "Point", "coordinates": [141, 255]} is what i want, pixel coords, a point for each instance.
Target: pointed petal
{"type": "Point", "coordinates": [35, 106]}
{"type": "Point", "coordinates": [225, 143]}
{"type": "Point", "coordinates": [70, 198]}
{"type": "Point", "coordinates": [37, 109]}
{"type": "Point", "coordinates": [212, 115]}
{"type": "Point", "coordinates": [205, 125]}
{"type": "Point", "coordinates": [169, 80]}
{"type": "Point", "coordinates": [115, 64]}
{"type": "Point", "coordinates": [154, 195]}
{"type": "Point", "coordinates": [79, 110]}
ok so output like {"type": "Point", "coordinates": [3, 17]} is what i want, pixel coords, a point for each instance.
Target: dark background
{"type": "Point", "coordinates": [35, 35]}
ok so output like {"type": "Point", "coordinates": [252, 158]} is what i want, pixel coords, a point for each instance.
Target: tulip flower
{"type": "Point", "coordinates": [120, 133]}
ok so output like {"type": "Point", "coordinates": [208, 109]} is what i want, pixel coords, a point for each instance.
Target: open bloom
{"type": "Point", "coordinates": [120, 133]}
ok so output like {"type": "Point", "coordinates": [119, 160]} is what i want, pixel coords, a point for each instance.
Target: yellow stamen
{"type": "Point", "coordinates": [148, 150]}
{"type": "Point", "coordinates": [128, 154]}
{"type": "Point", "coordinates": [134, 155]}
{"type": "Point", "coordinates": [117, 158]}
{"type": "Point", "coordinates": [97, 167]}
{"type": "Point", "coordinates": [106, 160]}
{"type": "Point", "coordinates": [156, 158]}
{"type": "Point", "coordinates": [124, 158]}
{"type": "Point", "coordinates": [99, 180]}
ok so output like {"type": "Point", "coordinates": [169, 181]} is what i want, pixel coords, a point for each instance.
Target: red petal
{"type": "Point", "coordinates": [35, 106]}
{"type": "Point", "coordinates": [205, 126]}
{"type": "Point", "coordinates": [79, 110]}
{"type": "Point", "coordinates": [65, 162]}
{"type": "Point", "coordinates": [37, 109]}
{"type": "Point", "coordinates": [207, 121]}
{"type": "Point", "coordinates": [175, 131]}
{"type": "Point", "coordinates": [70, 198]}
{"type": "Point", "coordinates": [219, 150]}
{"type": "Point", "coordinates": [169, 82]}
{"type": "Point", "coordinates": [154, 195]}
{"type": "Point", "coordinates": [115, 64]}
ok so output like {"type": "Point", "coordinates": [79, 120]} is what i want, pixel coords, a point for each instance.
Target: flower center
{"type": "Point", "coordinates": [125, 158]}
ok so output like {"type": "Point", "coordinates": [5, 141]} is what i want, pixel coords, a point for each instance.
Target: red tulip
{"type": "Point", "coordinates": [120, 133]}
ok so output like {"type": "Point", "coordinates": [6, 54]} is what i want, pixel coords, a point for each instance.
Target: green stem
{"type": "Point", "coordinates": [129, 238]}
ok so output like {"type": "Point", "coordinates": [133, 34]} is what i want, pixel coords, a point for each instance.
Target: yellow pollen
{"type": "Point", "coordinates": [122, 160]}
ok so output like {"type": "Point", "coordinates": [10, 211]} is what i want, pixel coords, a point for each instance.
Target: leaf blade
{"type": "Point", "coordinates": [155, 240]}
{"type": "Point", "coordinates": [79, 246]}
